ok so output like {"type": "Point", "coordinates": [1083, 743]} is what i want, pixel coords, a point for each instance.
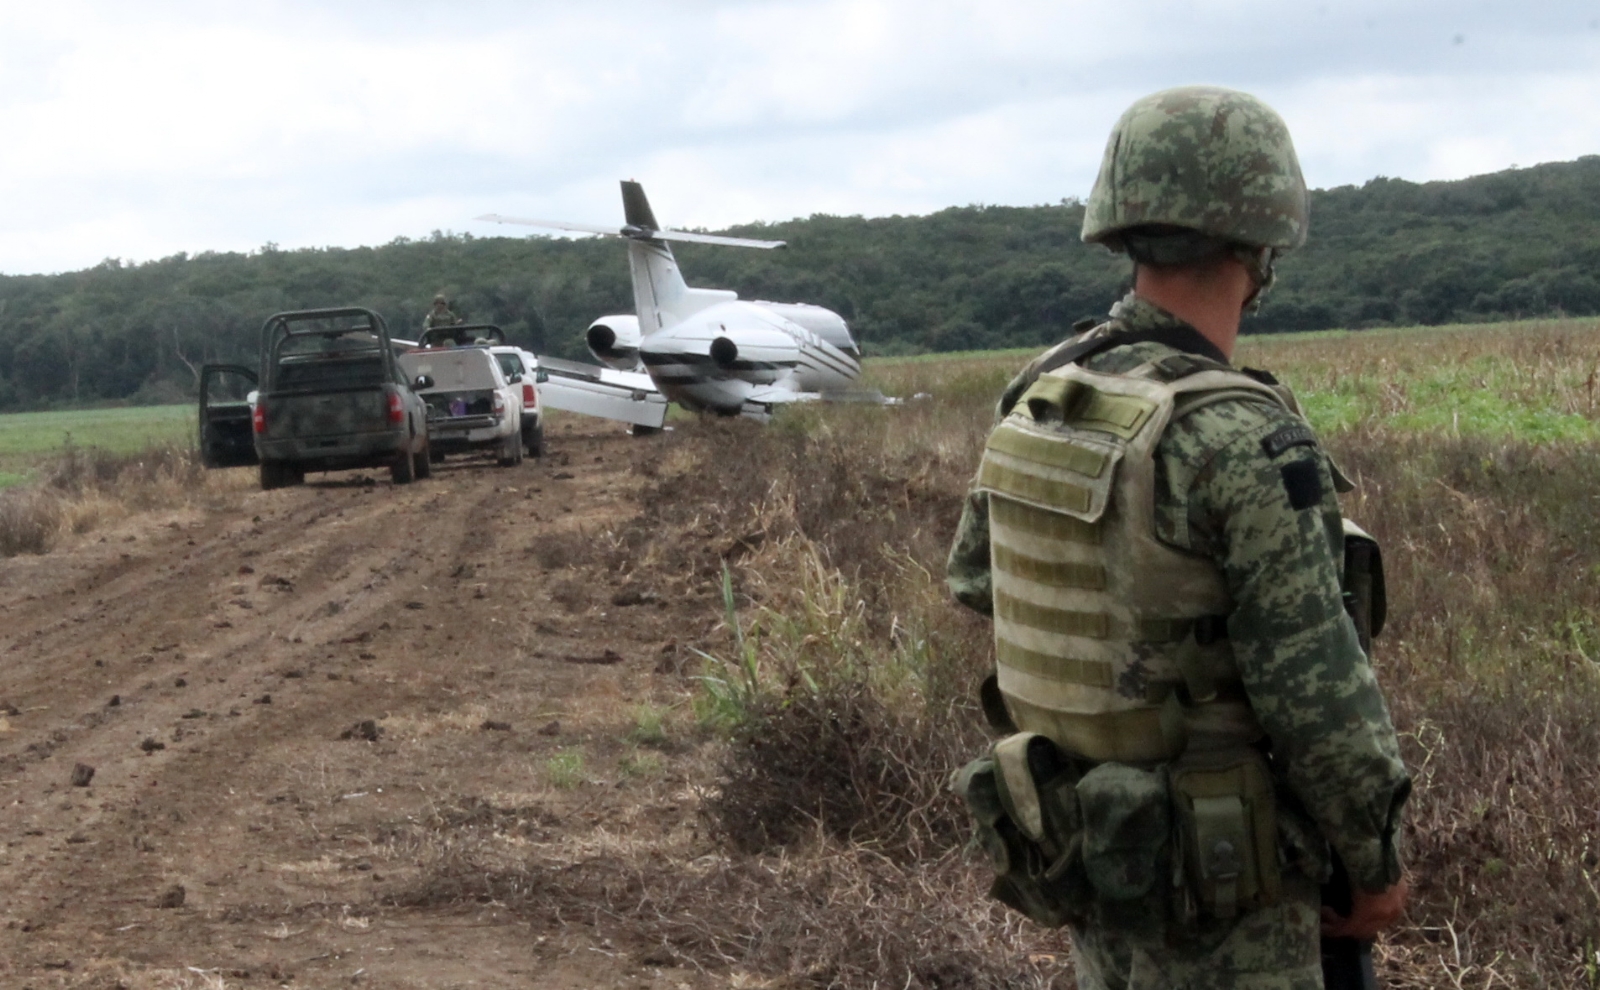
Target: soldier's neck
{"type": "Point", "coordinates": [1209, 297]}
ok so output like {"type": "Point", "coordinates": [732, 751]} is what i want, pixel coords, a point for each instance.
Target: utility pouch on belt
{"type": "Point", "coordinates": [1227, 824]}
{"type": "Point", "coordinates": [1023, 800]}
{"type": "Point", "coordinates": [1127, 844]}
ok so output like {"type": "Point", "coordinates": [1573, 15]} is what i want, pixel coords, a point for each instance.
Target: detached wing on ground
{"type": "Point", "coordinates": [625, 396]}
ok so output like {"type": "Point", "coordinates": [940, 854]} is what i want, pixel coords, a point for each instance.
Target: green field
{"type": "Point", "coordinates": [28, 440]}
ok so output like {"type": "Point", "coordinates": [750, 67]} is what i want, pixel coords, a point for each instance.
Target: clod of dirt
{"type": "Point", "coordinates": [491, 725]}
{"type": "Point", "coordinates": [82, 773]}
{"type": "Point", "coordinates": [415, 605]}
{"type": "Point", "coordinates": [366, 729]}
{"type": "Point", "coordinates": [115, 701]}
{"type": "Point", "coordinates": [151, 744]}
{"type": "Point", "coordinates": [172, 897]}
{"type": "Point", "coordinates": [265, 699]}
{"type": "Point", "coordinates": [77, 839]}
{"type": "Point", "coordinates": [562, 476]}
{"type": "Point", "coordinates": [294, 674]}
{"type": "Point", "coordinates": [8, 709]}
{"type": "Point", "coordinates": [272, 582]}
{"type": "Point", "coordinates": [551, 728]}
{"type": "Point", "coordinates": [633, 596]}
{"type": "Point", "coordinates": [246, 569]}
{"type": "Point", "coordinates": [605, 659]}
{"type": "Point", "coordinates": [661, 958]}
{"type": "Point", "coordinates": [366, 656]}
{"type": "Point", "coordinates": [180, 682]}
{"type": "Point", "coordinates": [193, 713]}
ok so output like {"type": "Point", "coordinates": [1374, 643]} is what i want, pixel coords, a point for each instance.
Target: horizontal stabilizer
{"type": "Point", "coordinates": [636, 233]}
{"type": "Point", "coordinates": [603, 392]}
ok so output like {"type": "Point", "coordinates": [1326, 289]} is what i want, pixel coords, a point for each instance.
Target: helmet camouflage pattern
{"type": "Point", "coordinates": [440, 299]}
{"type": "Point", "coordinates": [1212, 160]}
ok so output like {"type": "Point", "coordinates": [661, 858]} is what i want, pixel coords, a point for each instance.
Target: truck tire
{"type": "Point", "coordinates": [640, 430]}
{"type": "Point", "coordinates": [533, 439]}
{"type": "Point", "coordinates": [272, 475]}
{"type": "Point", "coordinates": [403, 469]}
{"type": "Point", "coordinates": [424, 461]}
{"type": "Point", "coordinates": [510, 448]}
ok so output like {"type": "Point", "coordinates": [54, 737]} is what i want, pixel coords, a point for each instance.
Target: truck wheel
{"type": "Point", "coordinates": [424, 461]}
{"type": "Point", "coordinates": [510, 447]}
{"type": "Point", "coordinates": [533, 439]}
{"type": "Point", "coordinates": [403, 469]}
{"type": "Point", "coordinates": [293, 474]}
{"type": "Point", "coordinates": [272, 475]}
{"type": "Point", "coordinates": [640, 430]}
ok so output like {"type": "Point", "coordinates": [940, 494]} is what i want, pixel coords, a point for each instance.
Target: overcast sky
{"type": "Point", "coordinates": [136, 130]}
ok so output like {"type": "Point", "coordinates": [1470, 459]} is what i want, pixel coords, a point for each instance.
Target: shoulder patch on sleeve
{"type": "Point", "coordinates": [1303, 482]}
{"type": "Point", "coordinates": [1293, 435]}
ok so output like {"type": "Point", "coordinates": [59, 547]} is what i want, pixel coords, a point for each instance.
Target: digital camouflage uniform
{"type": "Point", "coordinates": [1242, 483]}
{"type": "Point", "coordinates": [440, 316]}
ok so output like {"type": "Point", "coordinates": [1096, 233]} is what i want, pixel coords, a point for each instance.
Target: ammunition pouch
{"type": "Point", "coordinates": [1228, 831]}
{"type": "Point", "coordinates": [1364, 594]}
{"type": "Point", "coordinates": [1152, 853]}
{"type": "Point", "coordinates": [1022, 797]}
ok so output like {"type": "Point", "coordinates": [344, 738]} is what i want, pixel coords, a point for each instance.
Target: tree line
{"type": "Point", "coordinates": [1514, 244]}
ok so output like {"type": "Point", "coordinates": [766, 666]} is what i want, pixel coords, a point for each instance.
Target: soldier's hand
{"type": "Point", "coordinates": [1369, 913]}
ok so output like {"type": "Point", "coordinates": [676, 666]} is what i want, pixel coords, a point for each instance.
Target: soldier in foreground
{"type": "Point", "coordinates": [440, 315]}
{"type": "Point", "coordinates": [1194, 737]}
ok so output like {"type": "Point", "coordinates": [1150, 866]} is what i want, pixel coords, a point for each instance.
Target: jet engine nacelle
{"type": "Point", "coordinates": [614, 341]}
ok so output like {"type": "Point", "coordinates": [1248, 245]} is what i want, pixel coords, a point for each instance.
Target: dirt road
{"type": "Point", "coordinates": [313, 713]}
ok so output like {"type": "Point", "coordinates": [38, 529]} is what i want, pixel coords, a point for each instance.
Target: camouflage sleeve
{"type": "Point", "coordinates": [967, 569]}
{"type": "Point", "coordinates": [1261, 502]}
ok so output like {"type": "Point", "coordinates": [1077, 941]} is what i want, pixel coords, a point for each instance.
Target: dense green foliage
{"type": "Point", "coordinates": [1514, 244]}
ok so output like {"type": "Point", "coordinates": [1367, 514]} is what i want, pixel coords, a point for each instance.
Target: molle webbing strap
{"type": "Point", "coordinates": [1058, 574]}
{"type": "Point", "coordinates": [1031, 486]}
{"type": "Point", "coordinates": [1053, 453]}
{"type": "Point", "coordinates": [1062, 622]}
{"type": "Point", "coordinates": [1090, 673]}
{"type": "Point", "coordinates": [1042, 524]}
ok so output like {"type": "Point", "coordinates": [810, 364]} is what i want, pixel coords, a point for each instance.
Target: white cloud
{"type": "Point", "coordinates": [137, 130]}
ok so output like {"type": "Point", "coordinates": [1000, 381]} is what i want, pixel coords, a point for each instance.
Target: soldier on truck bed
{"type": "Point", "coordinates": [440, 315]}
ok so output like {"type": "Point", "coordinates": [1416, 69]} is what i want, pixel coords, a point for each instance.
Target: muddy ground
{"type": "Point", "coordinates": [301, 707]}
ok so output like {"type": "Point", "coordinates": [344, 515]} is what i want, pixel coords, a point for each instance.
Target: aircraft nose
{"type": "Point", "coordinates": [724, 351]}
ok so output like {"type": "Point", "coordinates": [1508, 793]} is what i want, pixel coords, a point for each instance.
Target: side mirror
{"type": "Point", "coordinates": [516, 378]}
{"type": "Point", "coordinates": [422, 382]}
{"type": "Point", "coordinates": [542, 376]}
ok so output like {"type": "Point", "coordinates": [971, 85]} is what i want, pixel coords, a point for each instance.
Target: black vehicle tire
{"type": "Point", "coordinates": [436, 456]}
{"type": "Point", "coordinates": [640, 430]}
{"type": "Point", "coordinates": [272, 475]}
{"type": "Point", "coordinates": [424, 461]}
{"type": "Point", "coordinates": [533, 439]}
{"type": "Point", "coordinates": [293, 474]}
{"type": "Point", "coordinates": [510, 447]}
{"type": "Point", "coordinates": [403, 469]}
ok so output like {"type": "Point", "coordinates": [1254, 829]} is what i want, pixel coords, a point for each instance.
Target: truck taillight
{"type": "Point", "coordinates": [397, 408]}
{"type": "Point", "coordinates": [499, 403]}
{"type": "Point", "coordinates": [258, 417]}
{"type": "Point", "coordinates": [530, 398]}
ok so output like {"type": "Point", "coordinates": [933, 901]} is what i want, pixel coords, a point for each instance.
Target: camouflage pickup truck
{"type": "Point", "coordinates": [328, 395]}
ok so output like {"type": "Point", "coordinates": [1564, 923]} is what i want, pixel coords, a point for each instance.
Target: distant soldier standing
{"type": "Point", "coordinates": [440, 315]}
{"type": "Point", "coordinates": [1195, 732]}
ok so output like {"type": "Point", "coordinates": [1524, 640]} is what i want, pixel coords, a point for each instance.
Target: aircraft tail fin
{"type": "Point", "coordinates": [636, 210]}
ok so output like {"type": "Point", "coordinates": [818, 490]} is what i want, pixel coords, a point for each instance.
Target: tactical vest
{"type": "Point", "coordinates": [1108, 641]}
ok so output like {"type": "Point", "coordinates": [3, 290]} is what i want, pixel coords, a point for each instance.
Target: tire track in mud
{"type": "Point", "coordinates": [239, 639]}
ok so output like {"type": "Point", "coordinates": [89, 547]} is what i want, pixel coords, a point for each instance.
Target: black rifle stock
{"type": "Point", "coordinates": [1346, 962]}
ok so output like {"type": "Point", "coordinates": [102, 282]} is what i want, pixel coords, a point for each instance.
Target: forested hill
{"type": "Point", "coordinates": [1520, 243]}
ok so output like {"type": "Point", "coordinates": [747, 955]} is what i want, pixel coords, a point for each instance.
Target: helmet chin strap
{"type": "Point", "coordinates": [1261, 263]}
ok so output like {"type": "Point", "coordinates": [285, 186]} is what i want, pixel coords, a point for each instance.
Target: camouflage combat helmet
{"type": "Point", "coordinates": [440, 299]}
{"type": "Point", "coordinates": [1213, 161]}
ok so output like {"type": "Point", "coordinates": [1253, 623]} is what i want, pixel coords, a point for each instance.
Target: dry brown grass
{"type": "Point", "coordinates": [86, 488]}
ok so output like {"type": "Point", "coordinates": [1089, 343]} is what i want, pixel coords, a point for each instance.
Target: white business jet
{"type": "Point", "coordinates": [706, 348]}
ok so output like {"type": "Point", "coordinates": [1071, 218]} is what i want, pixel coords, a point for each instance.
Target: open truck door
{"type": "Point", "coordinates": [227, 434]}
